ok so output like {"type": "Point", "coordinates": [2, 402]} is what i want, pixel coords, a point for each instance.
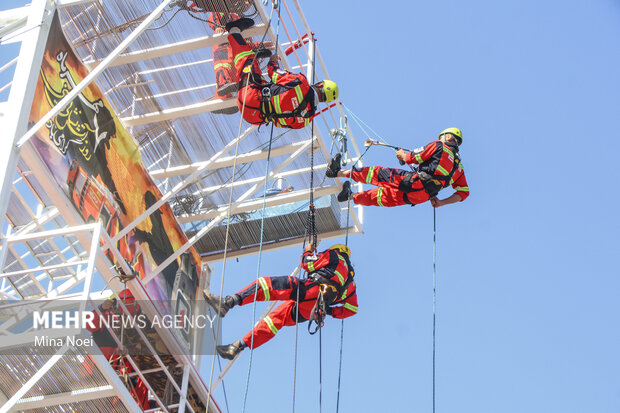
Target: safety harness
{"type": "Point", "coordinates": [331, 293]}
{"type": "Point", "coordinates": [271, 110]}
{"type": "Point", "coordinates": [432, 183]}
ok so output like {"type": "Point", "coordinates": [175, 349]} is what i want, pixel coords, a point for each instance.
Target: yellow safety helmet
{"type": "Point", "coordinates": [341, 248]}
{"type": "Point", "coordinates": [456, 132]}
{"type": "Point", "coordinates": [330, 89]}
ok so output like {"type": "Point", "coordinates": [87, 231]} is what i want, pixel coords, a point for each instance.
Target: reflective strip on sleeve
{"type": "Point", "coordinates": [418, 158]}
{"type": "Point", "coordinates": [379, 195]}
{"type": "Point", "coordinates": [445, 148]}
{"type": "Point", "coordinates": [276, 104]}
{"type": "Point", "coordinates": [221, 65]}
{"type": "Point", "coordinates": [242, 55]}
{"type": "Point", "coordinates": [442, 170]}
{"type": "Point", "coordinates": [272, 327]}
{"type": "Point", "coordinates": [263, 285]}
{"type": "Point", "coordinates": [340, 277]}
{"type": "Point", "coordinates": [371, 170]}
{"type": "Point", "coordinates": [350, 307]}
{"type": "Point", "coordinates": [462, 188]}
{"type": "Point", "coordinates": [274, 78]}
{"type": "Point", "coordinates": [300, 95]}
{"type": "Point", "coordinates": [278, 109]}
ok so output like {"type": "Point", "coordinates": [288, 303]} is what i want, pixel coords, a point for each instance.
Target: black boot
{"type": "Point", "coordinates": [220, 307]}
{"type": "Point", "coordinates": [346, 192]}
{"type": "Point", "coordinates": [230, 351]}
{"type": "Point", "coordinates": [227, 88]}
{"type": "Point", "coordinates": [242, 24]}
{"type": "Point", "coordinates": [262, 52]}
{"type": "Point", "coordinates": [334, 166]}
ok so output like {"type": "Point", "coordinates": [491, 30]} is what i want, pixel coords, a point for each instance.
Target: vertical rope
{"type": "Point", "coordinates": [434, 296]}
{"type": "Point", "coordinates": [311, 232]}
{"type": "Point", "coordinates": [260, 255]}
{"type": "Point", "coordinates": [262, 225]}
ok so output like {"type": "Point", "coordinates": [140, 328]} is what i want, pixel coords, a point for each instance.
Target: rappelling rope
{"type": "Point", "coordinates": [228, 233]}
{"type": "Point", "coordinates": [362, 124]}
{"type": "Point", "coordinates": [262, 223]}
{"type": "Point", "coordinates": [310, 232]}
{"type": "Point", "coordinates": [434, 295]}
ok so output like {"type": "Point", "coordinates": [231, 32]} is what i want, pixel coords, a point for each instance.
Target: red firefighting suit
{"type": "Point", "coordinates": [107, 345]}
{"type": "Point", "coordinates": [440, 166]}
{"type": "Point", "coordinates": [223, 54]}
{"type": "Point", "coordinates": [329, 267]}
{"type": "Point", "coordinates": [288, 100]}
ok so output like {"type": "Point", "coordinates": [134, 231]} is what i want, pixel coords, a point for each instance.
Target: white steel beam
{"type": "Point", "coordinates": [95, 72]}
{"type": "Point", "coordinates": [67, 3]}
{"type": "Point", "coordinates": [181, 185]}
{"type": "Point", "coordinates": [44, 268]}
{"type": "Point", "coordinates": [76, 396]}
{"type": "Point", "coordinates": [11, 16]}
{"type": "Point", "coordinates": [209, 258]}
{"type": "Point", "coordinates": [34, 379]}
{"type": "Point", "coordinates": [256, 204]}
{"type": "Point", "coordinates": [112, 376]}
{"type": "Point", "coordinates": [173, 48]}
{"type": "Point", "coordinates": [324, 69]}
{"type": "Point", "coordinates": [223, 212]}
{"type": "Point", "coordinates": [17, 110]}
{"type": "Point", "coordinates": [179, 112]}
{"type": "Point", "coordinates": [258, 179]}
{"type": "Point", "coordinates": [227, 161]}
{"type": "Point", "coordinates": [183, 395]}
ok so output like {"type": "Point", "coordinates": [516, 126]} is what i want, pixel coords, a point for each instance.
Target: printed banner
{"type": "Point", "coordinates": [97, 163]}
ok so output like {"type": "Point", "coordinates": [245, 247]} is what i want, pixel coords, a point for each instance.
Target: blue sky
{"type": "Point", "coordinates": [528, 282]}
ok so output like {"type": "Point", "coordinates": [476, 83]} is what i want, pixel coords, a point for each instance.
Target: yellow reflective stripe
{"type": "Point", "coordinates": [418, 158]}
{"type": "Point", "coordinates": [379, 195]}
{"type": "Point", "coordinates": [274, 78]}
{"type": "Point", "coordinates": [242, 55]}
{"type": "Point", "coordinates": [272, 327]}
{"type": "Point", "coordinates": [442, 170]}
{"type": "Point", "coordinates": [445, 148]}
{"type": "Point", "coordinates": [300, 96]}
{"type": "Point", "coordinates": [340, 277]}
{"type": "Point", "coordinates": [350, 307]}
{"type": "Point", "coordinates": [263, 285]}
{"type": "Point", "coordinates": [276, 104]}
{"type": "Point", "coordinates": [226, 65]}
{"type": "Point", "coordinates": [369, 175]}
{"type": "Point", "coordinates": [462, 188]}
{"type": "Point", "coordinates": [310, 266]}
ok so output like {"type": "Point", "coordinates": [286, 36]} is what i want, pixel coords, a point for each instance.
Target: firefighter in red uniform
{"type": "Point", "coordinates": [329, 272]}
{"type": "Point", "coordinates": [439, 166]}
{"type": "Point", "coordinates": [103, 338]}
{"type": "Point", "coordinates": [288, 99]}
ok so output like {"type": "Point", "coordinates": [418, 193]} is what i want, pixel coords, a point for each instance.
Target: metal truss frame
{"type": "Point", "coordinates": [30, 26]}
